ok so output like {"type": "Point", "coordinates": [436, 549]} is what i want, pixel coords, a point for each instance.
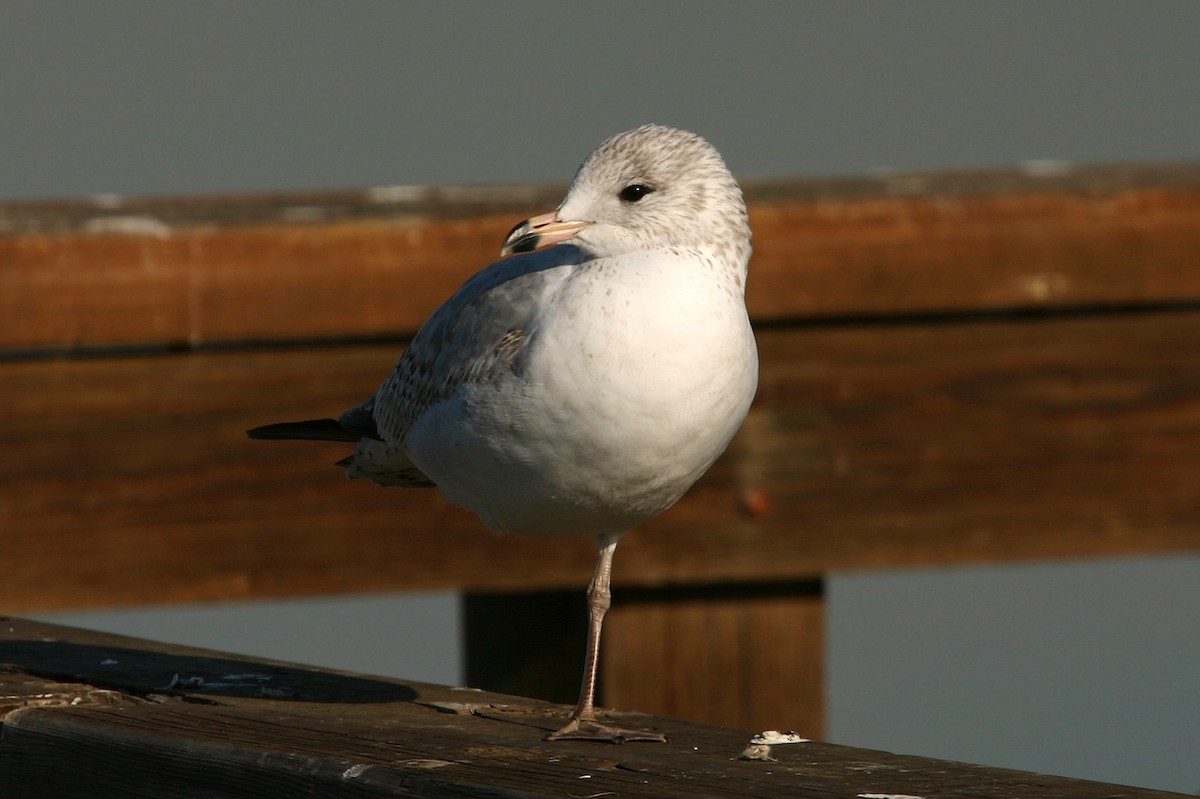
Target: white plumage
{"type": "Point", "coordinates": [582, 385]}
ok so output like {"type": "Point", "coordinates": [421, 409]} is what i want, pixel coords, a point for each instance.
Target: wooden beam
{"type": "Point", "coordinates": [88, 714]}
{"type": "Point", "coordinates": [182, 272]}
{"type": "Point", "coordinates": [129, 480]}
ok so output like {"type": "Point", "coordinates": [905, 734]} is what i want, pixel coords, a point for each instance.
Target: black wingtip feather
{"type": "Point", "coordinates": [311, 430]}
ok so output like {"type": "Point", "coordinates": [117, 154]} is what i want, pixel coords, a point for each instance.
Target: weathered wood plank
{"type": "Point", "coordinates": [88, 714]}
{"type": "Point", "coordinates": [868, 446]}
{"type": "Point", "coordinates": [186, 271]}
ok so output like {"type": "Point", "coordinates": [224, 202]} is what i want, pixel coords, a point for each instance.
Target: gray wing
{"type": "Point", "coordinates": [476, 333]}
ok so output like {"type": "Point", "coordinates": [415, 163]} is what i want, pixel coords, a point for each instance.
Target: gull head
{"type": "Point", "coordinates": [649, 188]}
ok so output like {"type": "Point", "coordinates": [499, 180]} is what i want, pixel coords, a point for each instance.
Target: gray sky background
{"type": "Point", "coordinates": [1082, 669]}
{"type": "Point", "coordinates": [137, 97]}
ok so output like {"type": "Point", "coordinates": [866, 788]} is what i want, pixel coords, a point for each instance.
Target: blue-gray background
{"type": "Point", "coordinates": [1087, 669]}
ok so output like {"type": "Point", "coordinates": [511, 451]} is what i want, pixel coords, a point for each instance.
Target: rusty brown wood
{"type": "Point", "coordinates": [129, 479]}
{"type": "Point", "coordinates": [744, 656]}
{"type": "Point", "coordinates": [916, 405]}
{"type": "Point", "coordinates": [189, 271]}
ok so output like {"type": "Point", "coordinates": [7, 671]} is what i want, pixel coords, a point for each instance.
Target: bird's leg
{"type": "Point", "coordinates": [583, 725]}
{"type": "Point", "coordinates": [599, 601]}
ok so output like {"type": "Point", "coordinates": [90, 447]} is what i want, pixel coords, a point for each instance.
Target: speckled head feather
{"type": "Point", "coordinates": [690, 199]}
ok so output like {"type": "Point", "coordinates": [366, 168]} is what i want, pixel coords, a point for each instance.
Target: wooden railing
{"type": "Point", "coordinates": [85, 714]}
{"type": "Point", "coordinates": [955, 368]}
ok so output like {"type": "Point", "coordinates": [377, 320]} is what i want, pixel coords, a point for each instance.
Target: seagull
{"type": "Point", "coordinates": [581, 384]}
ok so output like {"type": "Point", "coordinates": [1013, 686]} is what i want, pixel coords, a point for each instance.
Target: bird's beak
{"type": "Point", "coordinates": [538, 232]}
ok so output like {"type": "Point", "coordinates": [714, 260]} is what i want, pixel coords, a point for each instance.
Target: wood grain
{"type": "Point", "coordinates": [130, 480]}
{"type": "Point", "coordinates": [113, 729]}
{"type": "Point", "coordinates": [182, 272]}
{"type": "Point", "coordinates": [959, 367]}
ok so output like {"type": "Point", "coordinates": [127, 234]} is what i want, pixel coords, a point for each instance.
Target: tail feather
{"type": "Point", "coordinates": [382, 464]}
{"type": "Point", "coordinates": [311, 430]}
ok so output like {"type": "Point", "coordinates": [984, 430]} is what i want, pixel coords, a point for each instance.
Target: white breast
{"type": "Point", "coordinates": [635, 377]}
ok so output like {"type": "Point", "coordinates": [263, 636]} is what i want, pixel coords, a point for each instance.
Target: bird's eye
{"type": "Point", "coordinates": [634, 192]}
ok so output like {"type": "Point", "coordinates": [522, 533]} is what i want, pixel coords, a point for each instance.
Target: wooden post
{"type": "Point", "coordinates": [744, 655]}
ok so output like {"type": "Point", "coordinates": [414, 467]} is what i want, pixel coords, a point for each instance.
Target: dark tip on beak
{"type": "Point", "coordinates": [519, 239]}
{"type": "Point", "coordinates": [538, 232]}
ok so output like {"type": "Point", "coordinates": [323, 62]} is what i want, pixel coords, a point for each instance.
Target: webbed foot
{"type": "Point", "coordinates": [592, 730]}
